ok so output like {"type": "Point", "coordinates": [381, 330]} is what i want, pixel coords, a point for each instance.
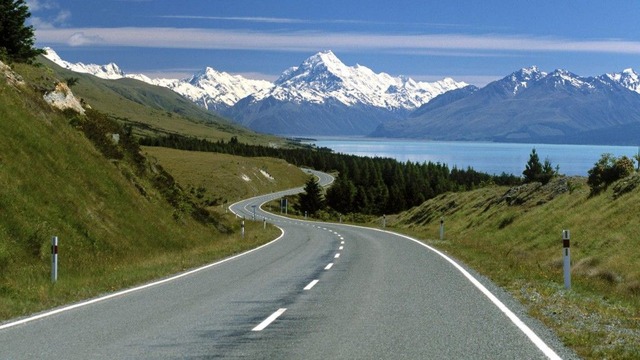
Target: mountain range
{"type": "Point", "coordinates": [530, 105]}
{"type": "Point", "coordinates": [323, 96]}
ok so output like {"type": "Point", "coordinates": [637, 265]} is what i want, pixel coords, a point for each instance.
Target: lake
{"type": "Point", "coordinates": [489, 157]}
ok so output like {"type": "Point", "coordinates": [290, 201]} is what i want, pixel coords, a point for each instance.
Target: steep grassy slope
{"type": "Point", "coordinates": [514, 237]}
{"type": "Point", "coordinates": [116, 228]}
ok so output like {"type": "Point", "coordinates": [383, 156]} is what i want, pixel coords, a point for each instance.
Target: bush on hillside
{"type": "Point", "coordinates": [607, 170]}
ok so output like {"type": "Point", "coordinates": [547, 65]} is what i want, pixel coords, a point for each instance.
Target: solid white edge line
{"type": "Point", "coordinates": [328, 266]}
{"type": "Point", "coordinates": [311, 285]}
{"type": "Point", "coordinates": [138, 288]}
{"type": "Point", "coordinates": [269, 320]}
{"type": "Point", "coordinates": [535, 339]}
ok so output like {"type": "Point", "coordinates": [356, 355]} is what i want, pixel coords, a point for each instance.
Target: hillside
{"type": "Point", "coordinates": [151, 109]}
{"type": "Point", "coordinates": [121, 218]}
{"type": "Point", "coordinates": [513, 236]}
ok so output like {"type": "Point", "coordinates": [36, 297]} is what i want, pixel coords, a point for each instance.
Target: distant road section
{"type": "Point", "coordinates": [319, 291]}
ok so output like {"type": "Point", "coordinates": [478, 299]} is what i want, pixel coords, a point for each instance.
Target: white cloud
{"type": "Point", "coordinates": [81, 39]}
{"type": "Point", "coordinates": [309, 41]}
{"type": "Point", "coordinates": [37, 5]}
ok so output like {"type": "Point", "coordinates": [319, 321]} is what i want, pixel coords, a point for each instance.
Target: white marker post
{"type": "Point", "coordinates": [566, 252]}
{"type": "Point", "coordinates": [384, 221]}
{"type": "Point", "coordinates": [264, 223]}
{"type": "Point", "coordinates": [442, 228]}
{"type": "Point", "coordinates": [54, 259]}
{"type": "Point", "coordinates": [242, 229]}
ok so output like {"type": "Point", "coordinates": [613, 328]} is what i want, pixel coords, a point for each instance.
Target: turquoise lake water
{"type": "Point", "coordinates": [492, 158]}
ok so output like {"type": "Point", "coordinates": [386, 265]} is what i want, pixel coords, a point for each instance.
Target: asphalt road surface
{"type": "Point", "coordinates": [319, 291]}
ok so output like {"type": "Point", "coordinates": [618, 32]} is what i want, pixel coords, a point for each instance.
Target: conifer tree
{"type": "Point", "coordinates": [311, 201]}
{"type": "Point", "coordinates": [17, 39]}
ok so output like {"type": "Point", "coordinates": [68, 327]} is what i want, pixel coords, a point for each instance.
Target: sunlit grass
{"type": "Point", "coordinates": [520, 248]}
{"type": "Point", "coordinates": [53, 182]}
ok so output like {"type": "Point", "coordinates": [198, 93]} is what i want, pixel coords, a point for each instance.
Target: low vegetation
{"type": "Point", "coordinates": [513, 236]}
{"type": "Point", "coordinates": [121, 218]}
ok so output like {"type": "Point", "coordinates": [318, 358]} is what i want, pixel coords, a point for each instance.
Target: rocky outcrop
{"type": "Point", "coordinates": [10, 76]}
{"type": "Point", "coordinates": [62, 98]}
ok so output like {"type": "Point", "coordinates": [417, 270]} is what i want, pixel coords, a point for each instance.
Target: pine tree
{"type": "Point", "coordinates": [311, 201]}
{"type": "Point", "coordinates": [536, 171]}
{"type": "Point", "coordinates": [17, 40]}
{"type": "Point", "coordinates": [533, 168]}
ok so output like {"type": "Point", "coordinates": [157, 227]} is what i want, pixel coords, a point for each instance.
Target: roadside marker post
{"type": "Point", "coordinates": [566, 253]}
{"type": "Point", "coordinates": [242, 229]}
{"type": "Point", "coordinates": [384, 221]}
{"type": "Point", "coordinates": [54, 259]}
{"type": "Point", "coordinates": [264, 223]}
{"type": "Point", "coordinates": [442, 228]}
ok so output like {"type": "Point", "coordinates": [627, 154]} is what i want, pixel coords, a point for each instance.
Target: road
{"type": "Point", "coordinates": [318, 291]}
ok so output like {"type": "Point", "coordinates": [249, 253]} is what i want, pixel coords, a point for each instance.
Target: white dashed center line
{"type": "Point", "coordinates": [269, 320]}
{"type": "Point", "coordinates": [311, 285]}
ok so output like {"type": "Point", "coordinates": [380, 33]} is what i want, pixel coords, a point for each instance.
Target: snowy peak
{"type": "Point", "coordinates": [212, 87]}
{"type": "Point", "coordinates": [627, 78]}
{"type": "Point", "coordinates": [522, 79]}
{"type": "Point", "coordinates": [109, 71]}
{"type": "Point", "coordinates": [208, 88]}
{"type": "Point", "coordinates": [323, 77]}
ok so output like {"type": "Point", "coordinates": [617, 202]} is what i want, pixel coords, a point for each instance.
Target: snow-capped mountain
{"type": "Point", "coordinates": [323, 76]}
{"type": "Point", "coordinates": [533, 106]}
{"type": "Point", "coordinates": [110, 71]}
{"type": "Point", "coordinates": [323, 96]}
{"type": "Point", "coordinates": [209, 88]}
{"type": "Point", "coordinates": [627, 78]}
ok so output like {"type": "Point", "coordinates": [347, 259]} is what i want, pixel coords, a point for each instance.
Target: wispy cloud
{"type": "Point", "coordinates": [279, 20]}
{"type": "Point", "coordinates": [50, 20]}
{"type": "Point", "coordinates": [307, 41]}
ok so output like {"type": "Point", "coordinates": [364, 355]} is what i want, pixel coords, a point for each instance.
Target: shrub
{"type": "Point", "coordinates": [607, 170]}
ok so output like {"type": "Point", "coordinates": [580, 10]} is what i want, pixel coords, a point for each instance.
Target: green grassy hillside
{"type": "Point", "coordinates": [513, 235]}
{"type": "Point", "coordinates": [224, 179]}
{"type": "Point", "coordinates": [150, 109]}
{"type": "Point", "coordinates": [120, 219]}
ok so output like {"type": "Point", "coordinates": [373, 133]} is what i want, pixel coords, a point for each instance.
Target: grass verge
{"type": "Point", "coordinates": [513, 236]}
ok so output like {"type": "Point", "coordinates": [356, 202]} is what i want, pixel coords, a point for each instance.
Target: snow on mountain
{"type": "Point", "coordinates": [209, 88]}
{"type": "Point", "coordinates": [109, 71]}
{"type": "Point", "coordinates": [531, 106]}
{"type": "Point", "coordinates": [214, 87]}
{"type": "Point", "coordinates": [627, 78]}
{"type": "Point", "coordinates": [323, 77]}
{"type": "Point", "coordinates": [521, 79]}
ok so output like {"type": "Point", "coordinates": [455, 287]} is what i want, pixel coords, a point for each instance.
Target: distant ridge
{"type": "Point", "coordinates": [530, 105]}
{"type": "Point", "coordinates": [323, 96]}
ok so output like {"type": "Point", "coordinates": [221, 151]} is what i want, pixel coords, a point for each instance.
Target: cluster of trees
{"type": "Point", "coordinates": [17, 40]}
{"type": "Point", "coordinates": [535, 171]}
{"type": "Point", "coordinates": [366, 185]}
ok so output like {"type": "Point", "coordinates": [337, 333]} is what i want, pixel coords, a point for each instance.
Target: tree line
{"type": "Point", "coordinates": [369, 185]}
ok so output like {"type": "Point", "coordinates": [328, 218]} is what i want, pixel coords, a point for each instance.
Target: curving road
{"type": "Point", "coordinates": [318, 291]}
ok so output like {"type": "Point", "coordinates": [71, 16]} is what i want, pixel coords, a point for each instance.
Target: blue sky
{"type": "Point", "coordinates": [472, 41]}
